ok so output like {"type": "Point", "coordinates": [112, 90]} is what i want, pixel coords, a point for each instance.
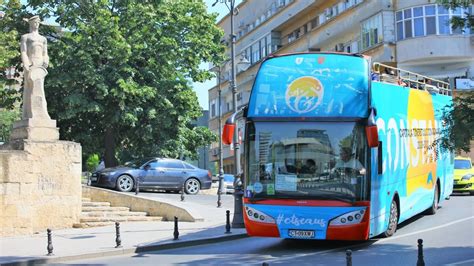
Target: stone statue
{"type": "Point", "coordinates": [34, 55]}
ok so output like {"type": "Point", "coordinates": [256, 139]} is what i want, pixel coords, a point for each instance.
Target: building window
{"type": "Point", "coordinates": [315, 22]}
{"type": "Point", "coordinates": [443, 20]}
{"type": "Point", "coordinates": [418, 21]}
{"type": "Point", "coordinates": [430, 19]}
{"type": "Point", "coordinates": [255, 52]}
{"type": "Point", "coordinates": [371, 32]}
{"type": "Point", "coordinates": [263, 47]}
{"type": "Point", "coordinates": [427, 20]}
{"type": "Point", "coordinates": [213, 108]}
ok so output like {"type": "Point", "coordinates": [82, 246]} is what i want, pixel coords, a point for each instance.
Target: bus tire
{"type": "Point", "coordinates": [392, 220]}
{"type": "Point", "coordinates": [434, 206]}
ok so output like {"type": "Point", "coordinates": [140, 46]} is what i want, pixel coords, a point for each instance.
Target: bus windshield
{"type": "Point", "coordinates": [310, 160]}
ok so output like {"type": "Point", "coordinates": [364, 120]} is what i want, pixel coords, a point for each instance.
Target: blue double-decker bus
{"type": "Point", "coordinates": [333, 150]}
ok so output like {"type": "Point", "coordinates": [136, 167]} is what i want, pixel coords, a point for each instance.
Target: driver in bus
{"type": "Point", "coordinates": [347, 161]}
{"type": "Point", "coordinates": [309, 167]}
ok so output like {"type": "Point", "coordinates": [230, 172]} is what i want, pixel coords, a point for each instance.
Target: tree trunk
{"type": "Point", "coordinates": [109, 141]}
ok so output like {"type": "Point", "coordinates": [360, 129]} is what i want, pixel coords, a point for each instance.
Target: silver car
{"type": "Point", "coordinates": [156, 173]}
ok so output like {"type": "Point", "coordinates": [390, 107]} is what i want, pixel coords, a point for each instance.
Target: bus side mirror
{"type": "Point", "coordinates": [228, 133]}
{"type": "Point", "coordinates": [372, 136]}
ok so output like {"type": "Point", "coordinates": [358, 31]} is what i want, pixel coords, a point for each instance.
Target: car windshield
{"type": "Point", "coordinates": [137, 163]}
{"type": "Point", "coordinates": [311, 160]}
{"type": "Point", "coordinates": [462, 164]}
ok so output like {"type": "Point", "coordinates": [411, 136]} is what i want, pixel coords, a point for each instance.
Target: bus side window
{"type": "Point", "coordinates": [379, 159]}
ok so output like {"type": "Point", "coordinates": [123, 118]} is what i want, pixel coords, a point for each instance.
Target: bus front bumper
{"type": "Point", "coordinates": [304, 222]}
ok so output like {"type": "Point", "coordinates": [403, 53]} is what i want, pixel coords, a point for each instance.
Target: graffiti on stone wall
{"type": "Point", "coordinates": [48, 185]}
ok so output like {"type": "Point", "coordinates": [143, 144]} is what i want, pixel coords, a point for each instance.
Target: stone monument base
{"type": "Point", "coordinates": [35, 129]}
{"type": "Point", "coordinates": [40, 183]}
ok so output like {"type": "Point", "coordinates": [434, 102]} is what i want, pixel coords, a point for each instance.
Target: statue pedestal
{"type": "Point", "coordinates": [35, 129]}
{"type": "Point", "coordinates": [40, 179]}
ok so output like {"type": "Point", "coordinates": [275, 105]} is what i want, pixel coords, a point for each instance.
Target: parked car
{"type": "Point", "coordinates": [463, 175]}
{"type": "Point", "coordinates": [157, 173]}
{"type": "Point", "coordinates": [228, 181]}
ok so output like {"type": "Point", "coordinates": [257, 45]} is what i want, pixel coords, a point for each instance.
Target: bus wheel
{"type": "Point", "coordinates": [434, 207]}
{"type": "Point", "coordinates": [392, 220]}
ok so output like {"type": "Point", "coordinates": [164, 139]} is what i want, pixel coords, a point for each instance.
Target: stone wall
{"type": "Point", "coordinates": [138, 204]}
{"type": "Point", "coordinates": [40, 186]}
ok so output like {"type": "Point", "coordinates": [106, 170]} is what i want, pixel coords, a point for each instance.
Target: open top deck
{"type": "Point", "coordinates": [393, 75]}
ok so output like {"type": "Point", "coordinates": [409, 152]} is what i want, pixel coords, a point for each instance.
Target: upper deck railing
{"type": "Point", "coordinates": [409, 79]}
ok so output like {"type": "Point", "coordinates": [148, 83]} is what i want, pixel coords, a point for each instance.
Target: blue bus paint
{"type": "Point", "coordinates": [341, 87]}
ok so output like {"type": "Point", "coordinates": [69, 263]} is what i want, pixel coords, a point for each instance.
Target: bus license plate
{"type": "Point", "coordinates": [301, 233]}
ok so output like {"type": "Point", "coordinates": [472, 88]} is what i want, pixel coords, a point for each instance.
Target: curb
{"type": "Point", "coordinates": [125, 251]}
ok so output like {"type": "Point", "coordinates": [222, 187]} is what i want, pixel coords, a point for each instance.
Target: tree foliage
{"type": "Point", "coordinates": [467, 21]}
{"type": "Point", "coordinates": [459, 117]}
{"type": "Point", "coordinates": [9, 65]}
{"type": "Point", "coordinates": [120, 73]}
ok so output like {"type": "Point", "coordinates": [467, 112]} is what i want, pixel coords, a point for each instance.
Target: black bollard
{"type": "Point", "coordinates": [137, 187]}
{"type": "Point", "coordinates": [420, 261]}
{"type": "Point", "coordinates": [227, 222]}
{"type": "Point", "coordinates": [349, 257]}
{"type": "Point", "coordinates": [118, 240]}
{"type": "Point", "coordinates": [176, 232]}
{"type": "Point", "coordinates": [265, 264]}
{"type": "Point", "coordinates": [182, 193]}
{"type": "Point", "coordinates": [50, 243]}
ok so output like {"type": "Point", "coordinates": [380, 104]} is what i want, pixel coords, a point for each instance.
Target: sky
{"type": "Point", "coordinates": [202, 88]}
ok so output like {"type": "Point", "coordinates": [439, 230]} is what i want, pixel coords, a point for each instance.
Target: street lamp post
{"type": "Point", "coordinates": [237, 220]}
{"type": "Point", "coordinates": [221, 158]}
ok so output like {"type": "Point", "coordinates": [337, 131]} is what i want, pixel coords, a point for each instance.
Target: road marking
{"type": "Point", "coordinates": [460, 262]}
{"type": "Point", "coordinates": [425, 230]}
{"type": "Point", "coordinates": [377, 241]}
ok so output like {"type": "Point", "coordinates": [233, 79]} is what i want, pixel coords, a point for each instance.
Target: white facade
{"type": "Point", "coordinates": [409, 34]}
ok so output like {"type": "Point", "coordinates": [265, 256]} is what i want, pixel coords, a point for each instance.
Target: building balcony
{"type": "Point", "coordinates": [435, 49]}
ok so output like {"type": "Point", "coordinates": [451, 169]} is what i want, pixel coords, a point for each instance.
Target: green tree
{"type": "Point", "coordinates": [459, 117]}
{"type": "Point", "coordinates": [467, 21]}
{"type": "Point", "coordinates": [120, 72]}
{"type": "Point", "coordinates": [9, 65]}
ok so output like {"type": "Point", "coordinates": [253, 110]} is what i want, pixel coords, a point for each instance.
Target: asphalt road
{"type": "Point", "coordinates": [448, 240]}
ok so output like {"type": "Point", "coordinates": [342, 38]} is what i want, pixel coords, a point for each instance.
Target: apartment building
{"type": "Point", "coordinates": [410, 34]}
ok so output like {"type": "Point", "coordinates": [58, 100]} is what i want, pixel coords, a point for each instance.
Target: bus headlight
{"type": "Point", "coordinates": [349, 218]}
{"type": "Point", "coordinates": [258, 216]}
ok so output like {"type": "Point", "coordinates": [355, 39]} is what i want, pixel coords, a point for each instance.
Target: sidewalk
{"type": "Point", "coordinates": [70, 244]}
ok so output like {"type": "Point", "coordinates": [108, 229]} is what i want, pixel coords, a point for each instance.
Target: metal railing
{"type": "Point", "coordinates": [390, 74]}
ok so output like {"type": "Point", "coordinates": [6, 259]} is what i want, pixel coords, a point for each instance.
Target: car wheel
{"type": "Point", "coordinates": [392, 220]}
{"type": "Point", "coordinates": [192, 186]}
{"type": "Point", "coordinates": [434, 206]}
{"type": "Point", "coordinates": [125, 183]}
